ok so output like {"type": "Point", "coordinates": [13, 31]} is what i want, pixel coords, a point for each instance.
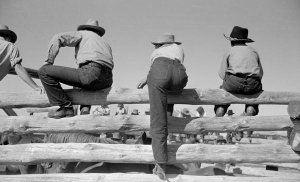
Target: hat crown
{"type": "Point", "coordinates": [3, 27]}
{"type": "Point", "coordinates": [165, 38]}
{"type": "Point", "coordinates": [185, 111]}
{"type": "Point", "coordinates": [239, 33]}
{"type": "Point", "coordinates": [92, 22]}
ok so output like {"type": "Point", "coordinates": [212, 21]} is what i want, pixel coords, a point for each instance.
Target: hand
{"type": "Point", "coordinates": [142, 83]}
{"type": "Point", "coordinates": [47, 63]}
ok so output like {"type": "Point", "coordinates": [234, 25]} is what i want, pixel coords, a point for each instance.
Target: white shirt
{"type": "Point", "coordinates": [172, 51]}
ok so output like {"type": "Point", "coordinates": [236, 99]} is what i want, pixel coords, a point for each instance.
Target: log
{"type": "Point", "coordinates": [122, 153]}
{"type": "Point", "coordinates": [113, 177]}
{"type": "Point", "coordinates": [139, 96]}
{"type": "Point", "coordinates": [122, 123]}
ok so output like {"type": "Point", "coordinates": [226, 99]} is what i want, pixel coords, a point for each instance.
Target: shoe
{"type": "Point", "coordinates": [85, 111]}
{"type": "Point", "coordinates": [160, 171]}
{"type": "Point", "coordinates": [62, 112]}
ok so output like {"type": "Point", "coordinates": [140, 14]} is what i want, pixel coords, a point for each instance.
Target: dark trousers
{"type": "Point", "coordinates": [166, 76]}
{"type": "Point", "coordinates": [239, 84]}
{"type": "Point", "coordinates": [90, 76]}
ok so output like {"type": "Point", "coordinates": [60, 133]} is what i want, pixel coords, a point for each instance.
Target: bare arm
{"type": "Point", "coordinates": [23, 74]}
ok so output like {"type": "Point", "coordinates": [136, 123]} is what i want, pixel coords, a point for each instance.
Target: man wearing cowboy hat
{"type": "Point", "coordinates": [10, 57]}
{"type": "Point", "coordinates": [240, 70]}
{"type": "Point", "coordinates": [94, 58]}
{"type": "Point", "coordinates": [167, 75]}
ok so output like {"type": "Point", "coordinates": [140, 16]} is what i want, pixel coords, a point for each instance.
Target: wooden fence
{"type": "Point", "coordinates": [92, 152]}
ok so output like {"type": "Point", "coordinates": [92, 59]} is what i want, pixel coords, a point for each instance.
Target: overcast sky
{"type": "Point", "coordinates": [131, 25]}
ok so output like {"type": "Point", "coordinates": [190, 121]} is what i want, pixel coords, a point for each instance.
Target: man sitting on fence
{"type": "Point", "coordinates": [94, 58]}
{"type": "Point", "coordinates": [10, 58]}
{"type": "Point", "coordinates": [240, 70]}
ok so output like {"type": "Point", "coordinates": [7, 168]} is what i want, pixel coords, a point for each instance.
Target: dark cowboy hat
{"type": "Point", "coordinates": [239, 34]}
{"type": "Point", "coordinates": [5, 32]}
{"type": "Point", "coordinates": [92, 25]}
{"type": "Point", "coordinates": [230, 112]}
{"type": "Point", "coordinates": [166, 39]}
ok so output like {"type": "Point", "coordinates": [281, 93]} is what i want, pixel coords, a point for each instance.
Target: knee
{"type": "Point", "coordinates": [42, 71]}
{"type": "Point", "coordinates": [220, 111]}
{"type": "Point", "coordinates": [251, 111]}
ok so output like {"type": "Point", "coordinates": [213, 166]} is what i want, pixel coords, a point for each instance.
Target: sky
{"type": "Point", "coordinates": [131, 25]}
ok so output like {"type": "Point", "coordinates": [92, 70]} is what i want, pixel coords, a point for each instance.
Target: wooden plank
{"type": "Point", "coordinates": [98, 124]}
{"type": "Point", "coordinates": [94, 152]}
{"type": "Point", "coordinates": [139, 96]}
{"type": "Point", "coordinates": [113, 177]}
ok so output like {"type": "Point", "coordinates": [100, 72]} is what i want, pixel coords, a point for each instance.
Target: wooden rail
{"type": "Point", "coordinates": [106, 177]}
{"type": "Point", "coordinates": [122, 153]}
{"type": "Point", "coordinates": [97, 124]}
{"type": "Point", "coordinates": [134, 96]}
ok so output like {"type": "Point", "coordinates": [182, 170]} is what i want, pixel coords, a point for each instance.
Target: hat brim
{"type": "Point", "coordinates": [161, 43]}
{"type": "Point", "coordinates": [8, 33]}
{"type": "Point", "coordinates": [97, 29]}
{"type": "Point", "coordinates": [238, 40]}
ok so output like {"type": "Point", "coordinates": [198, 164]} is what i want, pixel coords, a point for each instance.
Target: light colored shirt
{"type": "Point", "coordinates": [241, 59]}
{"type": "Point", "coordinates": [89, 46]}
{"type": "Point", "coordinates": [9, 57]}
{"type": "Point", "coordinates": [172, 51]}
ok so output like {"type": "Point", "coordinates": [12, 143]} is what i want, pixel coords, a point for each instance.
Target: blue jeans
{"type": "Point", "coordinates": [166, 76]}
{"type": "Point", "coordinates": [90, 76]}
{"type": "Point", "coordinates": [239, 84]}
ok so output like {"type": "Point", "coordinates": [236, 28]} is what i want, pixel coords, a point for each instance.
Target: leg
{"type": "Point", "coordinates": [251, 110]}
{"type": "Point", "coordinates": [51, 76]}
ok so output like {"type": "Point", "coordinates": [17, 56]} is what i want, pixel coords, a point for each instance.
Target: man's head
{"type": "Point", "coordinates": [135, 112]}
{"type": "Point", "coordinates": [7, 34]}
{"type": "Point", "coordinates": [165, 39]}
{"type": "Point", "coordinates": [120, 106]}
{"type": "Point", "coordinates": [185, 113]}
{"type": "Point", "coordinates": [238, 36]}
{"type": "Point", "coordinates": [92, 25]}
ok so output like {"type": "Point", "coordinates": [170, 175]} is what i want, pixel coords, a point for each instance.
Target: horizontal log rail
{"type": "Point", "coordinates": [113, 177]}
{"type": "Point", "coordinates": [122, 153]}
{"type": "Point", "coordinates": [139, 96]}
{"type": "Point", "coordinates": [98, 124]}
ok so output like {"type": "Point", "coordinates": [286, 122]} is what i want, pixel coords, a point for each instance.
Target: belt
{"type": "Point", "coordinates": [92, 63]}
{"type": "Point", "coordinates": [168, 60]}
{"type": "Point", "coordinates": [242, 75]}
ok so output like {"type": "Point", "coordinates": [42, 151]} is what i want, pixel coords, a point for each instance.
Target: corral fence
{"type": "Point", "coordinates": [34, 153]}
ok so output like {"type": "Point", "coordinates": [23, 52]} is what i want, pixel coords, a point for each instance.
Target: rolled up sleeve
{"type": "Point", "coordinates": [70, 39]}
{"type": "Point", "coordinates": [15, 57]}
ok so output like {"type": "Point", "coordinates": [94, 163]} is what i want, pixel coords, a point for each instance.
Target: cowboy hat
{"type": "Point", "coordinates": [135, 112]}
{"type": "Point", "coordinates": [239, 34]}
{"type": "Point", "coordinates": [230, 112]}
{"type": "Point", "coordinates": [166, 39]}
{"type": "Point", "coordinates": [5, 32]}
{"type": "Point", "coordinates": [185, 111]}
{"type": "Point", "coordinates": [92, 25]}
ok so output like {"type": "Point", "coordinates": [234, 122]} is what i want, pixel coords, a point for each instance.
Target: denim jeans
{"type": "Point", "coordinates": [90, 76]}
{"type": "Point", "coordinates": [166, 76]}
{"type": "Point", "coordinates": [237, 84]}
